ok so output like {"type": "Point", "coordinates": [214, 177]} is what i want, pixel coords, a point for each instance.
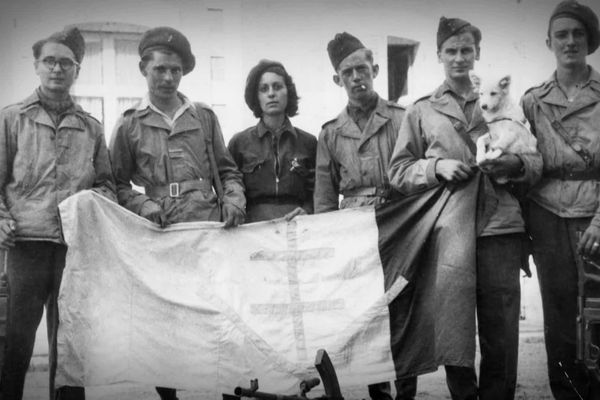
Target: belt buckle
{"type": "Point", "coordinates": [174, 189]}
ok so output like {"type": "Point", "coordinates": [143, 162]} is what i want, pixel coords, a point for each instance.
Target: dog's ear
{"type": "Point", "coordinates": [475, 80]}
{"type": "Point", "coordinates": [504, 82]}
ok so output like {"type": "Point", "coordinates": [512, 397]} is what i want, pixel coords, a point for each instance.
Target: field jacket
{"type": "Point", "coordinates": [147, 152]}
{"type": "Point", "coordinates": [41, 165]}
{"type": "Point", "coordinates": [354, 163]}
{"type": "Point", "coordinates": [436, 128]}
{"type": "Point", "coordinates": [566, 197]}
{"type": "Point", "coordinates": [279, 175]}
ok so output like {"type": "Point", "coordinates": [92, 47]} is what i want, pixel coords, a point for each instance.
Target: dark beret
{"type": "Point", "coordinates": [449, 27]}
{"type": "Point", "coordinates": [254, 77]}
{"type": "Point", "coordinates": [341, 46]}
{"type": "Point", "coordinates": [171, 39]}
{"type": "Point", "coordinates": [583, 14]}
{"type": "Point", "coordinates": [70, 37]}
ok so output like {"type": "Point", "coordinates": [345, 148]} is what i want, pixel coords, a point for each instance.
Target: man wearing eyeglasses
{"type": "Point", "coordinates": [49, 149]}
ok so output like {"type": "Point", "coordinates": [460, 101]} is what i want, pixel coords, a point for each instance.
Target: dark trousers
{"type": "Point", "coordinates": [34, 272]}
{"type": "Point", "coordinates": [498, 305]}
{"type": "Point", "coordinates": [554, 252]}
{"type": "Point", "coordinates": [406, 389]}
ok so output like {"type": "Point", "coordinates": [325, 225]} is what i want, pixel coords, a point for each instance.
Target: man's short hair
{"type": "Point", "coordinates": [70, 37]}
{"type": "Point", "coordinates": [148, 55]}
{"type": "Point", "coordinates": [251, 90]}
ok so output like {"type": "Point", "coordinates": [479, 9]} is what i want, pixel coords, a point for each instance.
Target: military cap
{"type": "Point", "coordinates": [341, 46]}
{"type": "Point", "coordinates": [70, 37]}
{"type": "Point", "coordinates": [583, 14]}
{"type": "Point", "coordinates": [168, 38]}
{"type": "Point", "coordinates": [449, 27]}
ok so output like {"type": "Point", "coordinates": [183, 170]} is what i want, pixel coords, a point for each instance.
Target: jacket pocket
{"type": "Point", "coordinates": [371, 171]}
{"type": "Point", "coordinates": [251, 164]}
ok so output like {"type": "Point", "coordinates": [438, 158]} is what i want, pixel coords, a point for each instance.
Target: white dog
{"type": "Point", "coordinates": [508, 131]}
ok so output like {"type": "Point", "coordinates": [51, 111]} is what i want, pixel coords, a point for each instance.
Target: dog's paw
{"type": "Point", "coordinates": [480, 157]}
{"type": "Point", "coordinates": [493, 154]}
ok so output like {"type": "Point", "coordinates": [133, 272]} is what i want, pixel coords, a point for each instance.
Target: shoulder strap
{"type": "Point", "coordinates": [562, 132]}
{"type": "Point", "coordinates": [211, 159]}
{"type": "Point", "coordinates": [461, 129]}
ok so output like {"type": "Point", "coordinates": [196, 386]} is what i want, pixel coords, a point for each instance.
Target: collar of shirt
{"type": "Point", "coordinates": [262, 129]}
{"type": "Point", "coordinates": [594, 77]}
{"type": "Point", "coordinates": [186, 103]}
{"type": "Point", "coordinates": [357, 112]}
{"type": "Point", "coordinates": [448, 88]}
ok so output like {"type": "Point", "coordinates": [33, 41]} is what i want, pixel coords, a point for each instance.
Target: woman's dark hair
{"type": "Point", "coordinates": [251, 91]}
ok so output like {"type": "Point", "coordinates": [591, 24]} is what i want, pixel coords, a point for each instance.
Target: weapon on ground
{"type": "Point", "coordinates": [588, 318]}
{"type": "Point", "coordinates": [3, 303]}
{"type": "Point", "coordinates": [326, 371]}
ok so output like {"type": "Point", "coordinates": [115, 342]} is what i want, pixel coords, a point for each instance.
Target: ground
{"type": "Point", "coordinates": [532, 379]}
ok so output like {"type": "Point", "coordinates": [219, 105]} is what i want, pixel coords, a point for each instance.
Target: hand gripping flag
{"type": "Point", "coordinates": [198, 307]}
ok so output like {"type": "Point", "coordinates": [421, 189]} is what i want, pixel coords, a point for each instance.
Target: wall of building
{"type": "Point", "coordinates": [296, 33]}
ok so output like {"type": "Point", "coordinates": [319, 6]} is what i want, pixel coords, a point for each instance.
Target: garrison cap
{"type": "Point", "coordinates": [70, 37]}
{"type": "Point", "coordinates": [583, 14]}
{"type": "Point", "coordinates": [449, 27]}
{"type": "Point", "coordinates": [341, 46]}
{"type": "Point", "coordinates": [164, 37]}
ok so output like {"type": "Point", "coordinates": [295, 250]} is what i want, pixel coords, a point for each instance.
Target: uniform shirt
{"type": "Point", "coordinates": [436, 128]}
{"type": "Point", "coordinates": [351, 161]}
{"type": "Point", "coordinates": [149, 152]}
{"type": "Point", "coordinates": [581, 119]}
{"type": "Point", "coordinates": [42, 164]}
{"type": "Point", "coordinates": [279, 174]}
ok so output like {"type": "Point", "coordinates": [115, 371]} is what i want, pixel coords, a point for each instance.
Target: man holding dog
{"type": "Point", "coordinates": [174, 148]}
{"type": "Point", "coordinates": [354, 149]}
{"type": "Point", "coordinates": [49, 149]}
{"type": "Point", "coordinates": [436, 147]}
{"type": "Point", "coordinates": [563, 212]}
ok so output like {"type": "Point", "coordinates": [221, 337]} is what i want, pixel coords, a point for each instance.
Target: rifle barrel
{"type": "Point", "coordinates": [242, 392]}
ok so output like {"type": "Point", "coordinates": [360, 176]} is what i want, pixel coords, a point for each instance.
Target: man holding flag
{"type": "Point", "coordinates": [481, 268]}
{"type": "Point", "coordinates": [355, 147]}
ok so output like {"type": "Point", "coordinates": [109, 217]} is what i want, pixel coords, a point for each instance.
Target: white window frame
{"type": "Point", "coordinates": [109, 89]}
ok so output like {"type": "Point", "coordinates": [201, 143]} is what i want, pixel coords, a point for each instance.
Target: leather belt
{"type": "Point", "coordinates": [177, 189]}
{"type": "Point", "coordinates": [274, 200]}
{"type": "Point", "coordinates": [563, 175]}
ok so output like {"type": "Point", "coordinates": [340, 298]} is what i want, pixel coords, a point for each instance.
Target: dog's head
{"type": "Point", "coordinates": [493, 94]}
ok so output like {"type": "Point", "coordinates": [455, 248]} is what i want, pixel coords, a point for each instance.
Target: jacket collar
{"type": "Point", "coordinates": [345, 126]}
{"type": "Point", "coordinates": [33, 109]}
{"type": "Point", "coordinates": [262, 129]}
{"type": "Point", "coordinates": [149, 115]}
{"type": "Point", "coordinates": [443, 101]}
{"type": "Point", "coordinates": [551, 93]}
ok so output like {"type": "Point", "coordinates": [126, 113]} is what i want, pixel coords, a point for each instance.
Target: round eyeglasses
{"type": "Point", "coordinates": [66, 64]}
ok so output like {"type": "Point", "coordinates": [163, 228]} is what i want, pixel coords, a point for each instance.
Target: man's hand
{"type": "Point", "coordinates": [589, 243]}
{"type": "Point", "coordinates": [452, 170]}
{"type": "Point", "coordinates": [232, 216]}
{"type": "Point", "coordinates": [507, 165]}
{"type": "Point", "coordinates": [153, 212]}
{"type": "Point", "coordinates": [7, 233]}
{"type": "Point", "coordinates": [297, 211]}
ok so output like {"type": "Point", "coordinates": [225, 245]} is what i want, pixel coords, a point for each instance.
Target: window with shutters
{"type": "Point", "coordinates": [109, 80]}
